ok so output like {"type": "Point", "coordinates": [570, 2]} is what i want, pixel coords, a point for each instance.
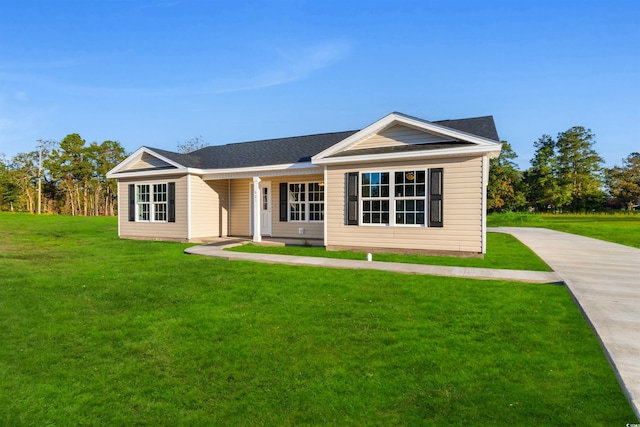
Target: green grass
{"type": "Point", "coordinates": [617, 228]}
{"type": "Point", "coordinates": [102, 331]}
{"type": "Point", "coordinates": [503, 252]}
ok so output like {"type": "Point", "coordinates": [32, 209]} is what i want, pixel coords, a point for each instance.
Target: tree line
{"type": "Point", "coordinates": [566, 175]}
{"type": "Point", "coordinates": [67, 177]}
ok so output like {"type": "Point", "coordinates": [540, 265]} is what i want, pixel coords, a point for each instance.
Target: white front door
{"type": "Point", "coordinates": [265, 208]}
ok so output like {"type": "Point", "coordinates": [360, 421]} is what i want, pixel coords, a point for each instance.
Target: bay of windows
{"type": "Point", "coordinates": [394, 198]}
{"type": "Point", "coordinates": [151, 202]}
{"type": "Point", "coordinates": [306, 201]}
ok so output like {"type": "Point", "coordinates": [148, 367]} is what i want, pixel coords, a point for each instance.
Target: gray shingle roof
{"type": "Point", "coordinates": [258, 153]}
{"type": "Point", "coordinates": [480, 126]}
{"type": "Point", "coordinates": [297, 149]}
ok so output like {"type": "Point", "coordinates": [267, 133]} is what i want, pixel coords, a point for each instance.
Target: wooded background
{"type": "Point", "coordinates": [566, 175]}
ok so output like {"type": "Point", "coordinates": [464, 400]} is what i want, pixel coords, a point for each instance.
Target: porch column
{"type": "Point", "coordinates": [257, 204]}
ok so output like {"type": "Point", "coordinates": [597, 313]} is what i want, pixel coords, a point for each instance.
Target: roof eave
{"type": "Point", "coordinates": [260, 171]}
{"type": "Point", "coordinates": [491, 152]}
{"type": "Point", "coordinates": [154, 173]}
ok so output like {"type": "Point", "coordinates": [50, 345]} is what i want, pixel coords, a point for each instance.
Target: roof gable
{"type": "Point", "coordinates": [404, 135]}
{"type": "Point", "coordinates": [146, 160]}
{"type": "Point", "coordinates": [398, 135]}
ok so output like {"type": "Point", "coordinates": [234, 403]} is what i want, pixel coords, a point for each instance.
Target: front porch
{"type": "Point", "coordinates": [265, 241]}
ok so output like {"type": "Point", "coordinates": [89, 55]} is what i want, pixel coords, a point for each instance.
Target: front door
{"type": "Point", "coordinates": [265, 209]}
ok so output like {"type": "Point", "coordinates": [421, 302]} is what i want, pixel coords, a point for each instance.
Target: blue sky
{"type": "Point", "coordinates": [156, 73]}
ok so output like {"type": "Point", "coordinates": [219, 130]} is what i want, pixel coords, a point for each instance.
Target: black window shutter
{"type": "Point", "coordinates": [132, 202]}
{"type": "Point", "coordinates": [284, 201]}
{"type": "Point", "coordinates": [435, 197]}
{"type": "Point", "coordinates": [352, 198]}
{"type": "Point", "coordinates": [172, 201]}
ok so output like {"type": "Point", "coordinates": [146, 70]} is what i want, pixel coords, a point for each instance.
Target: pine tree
{"type": "Point", "coordinates": [623, 182]}
{"type": "Point", "coordinates": [579, 169]}
{"type": "Point", "coordinates": [505, 192]}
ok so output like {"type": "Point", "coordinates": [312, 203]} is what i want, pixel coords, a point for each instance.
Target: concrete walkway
{"type": "Point", "coordinates": [602, 277]}
{"type": "Point", "coordinates": [604, 280]}
{"type": "Point", "coordinates": [216, 250]}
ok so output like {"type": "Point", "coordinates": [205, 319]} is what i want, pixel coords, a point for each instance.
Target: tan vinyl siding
{"type": "Point", "coordinates": [208, 208]}
{"type": "Point", "coordinates": [398, 135]}
{"type": "Point", "coordinates": [147, 162]}
{"type": "Point", "coordinates": [154, 230]}
{"type": "Point", "coordinates": [462, 212]}
{"type": "Point", "coordinates": [240, 208]}
{"type": "Point", "coordinates": [312, 229]}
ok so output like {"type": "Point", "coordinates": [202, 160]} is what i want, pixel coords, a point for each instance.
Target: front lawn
{"type": "Point", "coordinates": [102, 331]}
{"type": "Point", "coordinates": [503, 251]}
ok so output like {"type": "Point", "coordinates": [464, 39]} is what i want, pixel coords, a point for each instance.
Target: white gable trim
{"type": "Point", "coordinates": [121, 169]}
{"type": "Point", "coordinates": [395, 118]}
{"type": "Point", "coordinates": [491, 152]}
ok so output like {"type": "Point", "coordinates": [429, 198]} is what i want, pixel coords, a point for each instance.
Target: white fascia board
{"type": "Point", "coordinates": [444, 153]}
{"type": "Point", "coordinates": [393, 119]}
{"type": "Point", "coordinates": [262, 171]}
{"type": "Point", "coordinates": [135, 157]}
{"type": "Point", "coordinates": [149, 173]}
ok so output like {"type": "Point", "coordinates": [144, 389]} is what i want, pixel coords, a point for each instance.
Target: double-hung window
{"type": "Point", "coordinates": [316, 201]}
{"type": "Point", "coordinates": [410, 197]}
{"type": "Point", "coordinates": [143, 202]}
{"type": "Point", "coordinates": [160, 202]}
{"type": "Point", "coordinates": [297, 202]}
{"type": "Point", "coordinates": [302, 202]}
{"type": "Point", "coordinates": [375, 197]}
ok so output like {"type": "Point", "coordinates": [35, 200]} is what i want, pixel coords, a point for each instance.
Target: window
{"type": "Point", "coordinates": [142, 198]}
{"type": "Point", "coordinates": [410, 195]}
{"type": "Point", "coordinates": [375, 198]}
{"type": "Point", "coordinates": [159, 202]}
{"type": "Point", "coordinates": [394, 198]}
{"type": "Point", "coordinates": [297, 202]}
{"type": "Point", "coordinates": [302, 202]}
{"type": "Point", "coordinates": [151, 202]}
{"type": "Point", "coordinates": [316, 201]}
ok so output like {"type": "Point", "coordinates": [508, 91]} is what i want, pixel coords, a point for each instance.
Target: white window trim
{"type": "Point", "coordinates": [392, 198]}
{"type": "Point", "coordinates": [151, 203]}
{"type": "Point", "coordinates": [307, 211]}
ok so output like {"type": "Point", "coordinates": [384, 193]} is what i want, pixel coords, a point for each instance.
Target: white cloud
{"type": "Point", "coordinates": [295, 64]}
{"type": "Point", "coordinates": [281, 64]}
{"type": "Point", "coordinates": [21, 96]}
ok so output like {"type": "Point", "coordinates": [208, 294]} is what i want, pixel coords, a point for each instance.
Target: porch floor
{"type": "Point", "coordinates": [266, 241]}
